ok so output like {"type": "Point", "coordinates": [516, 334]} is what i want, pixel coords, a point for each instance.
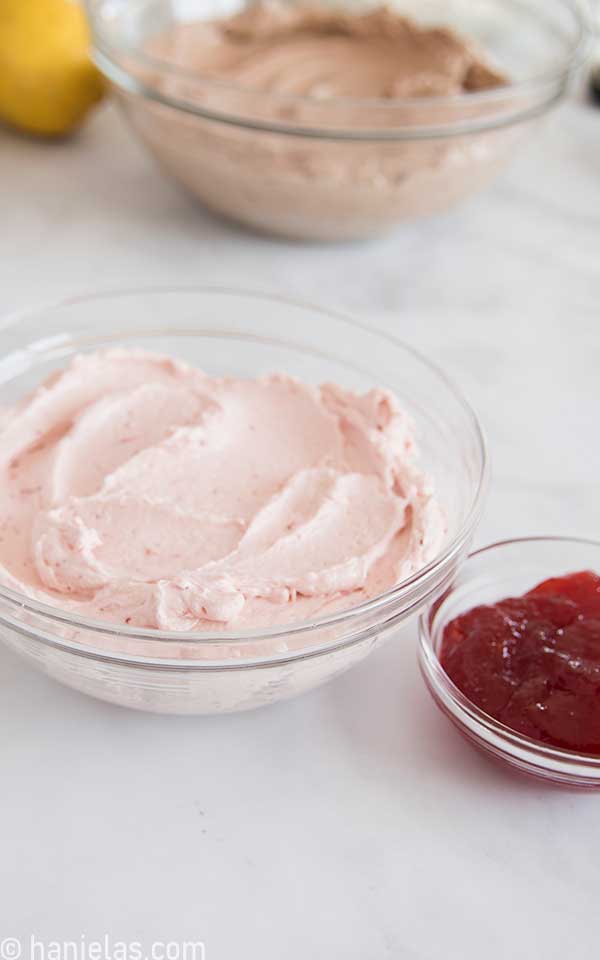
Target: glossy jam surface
{"type": "Point", "coordinates": [533, 662]}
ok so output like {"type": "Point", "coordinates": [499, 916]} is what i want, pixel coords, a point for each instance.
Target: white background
{"type": "Point", "coordinates": [352, 823]}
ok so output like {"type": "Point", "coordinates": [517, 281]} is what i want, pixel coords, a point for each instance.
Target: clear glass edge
{"type": "Point", "coordinates": [130, 85]}
{"type": "Point", "coordinates": [585, 32]}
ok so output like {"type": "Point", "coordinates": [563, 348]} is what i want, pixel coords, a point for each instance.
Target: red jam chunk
{"type": "Point", "coordinates": [533, 662]}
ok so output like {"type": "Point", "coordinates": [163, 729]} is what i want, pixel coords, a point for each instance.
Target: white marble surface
{"type": "Point", "coordinates": [353, 822]}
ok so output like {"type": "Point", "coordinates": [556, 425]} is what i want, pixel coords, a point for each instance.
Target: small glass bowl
{"type": "Point", "coordinates": [228, 332]}
{"type": "Point", "coordinates": [336, 168]}
{"type": "Point", "coordinates": [506, 569]}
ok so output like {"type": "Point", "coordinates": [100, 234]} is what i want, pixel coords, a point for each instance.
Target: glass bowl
{"type": "Point", "coordinates": [246, 335]}
{"type": "Point", "coordinates": [338, 168]}
{"type": "Point", "coordinates": [506, 569]}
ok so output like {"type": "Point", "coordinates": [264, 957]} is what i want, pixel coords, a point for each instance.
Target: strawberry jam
{"type": "Point", "coordinates": [533, 662]}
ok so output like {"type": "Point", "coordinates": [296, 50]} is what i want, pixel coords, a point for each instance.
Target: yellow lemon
{"type": "Point", "coordinates": [47, 80]}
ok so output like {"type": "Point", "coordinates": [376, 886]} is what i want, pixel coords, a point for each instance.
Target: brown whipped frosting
{"type": "Point", "coordinates": [296, 68]}
{"type": "Point", "coordinates": [322, 53]}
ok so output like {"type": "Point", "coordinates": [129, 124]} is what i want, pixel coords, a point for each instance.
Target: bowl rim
{"type": "Point", "coordinates": [383, 602]}
{"type": "Point", "coordinates": [549, 83]}
{"type": "Point", "coordinates": [488, 727]}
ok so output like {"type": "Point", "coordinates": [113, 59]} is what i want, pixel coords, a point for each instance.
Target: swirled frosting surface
{"type": "Point", "coordinates": [318, 51]}
{"type": "Point", "coordinates": [139, 490]}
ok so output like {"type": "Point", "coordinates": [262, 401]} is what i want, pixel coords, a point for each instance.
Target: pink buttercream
{"type": "Point", "coordinates": [138, 490]}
